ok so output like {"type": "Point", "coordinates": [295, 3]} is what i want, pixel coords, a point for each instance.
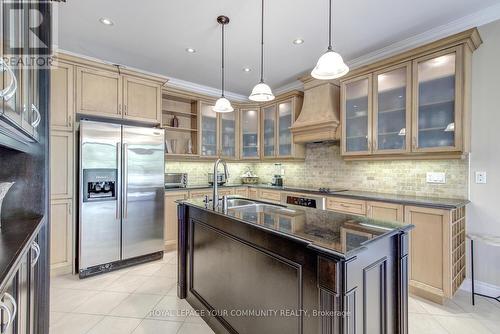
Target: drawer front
{"type": "Point", "coordinates": [241, 192]}
{"type": "Point", "coordinates": [225, 192]}
{"type": "Point", "coordinates": [252, 193]}
{"type": "Point", "coordinates": [198, 194]}
{"type": "Point", "coordinates": [351, 206]}
{"type": "Point", "coordinates": [270, 195]}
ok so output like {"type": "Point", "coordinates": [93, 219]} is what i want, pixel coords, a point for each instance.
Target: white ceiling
{"type": "Point", "coordinates": [152, 35]}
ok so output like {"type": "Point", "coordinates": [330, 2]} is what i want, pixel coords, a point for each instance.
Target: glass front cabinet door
{"type": "Point", "coordinates": [392, 110]}
{"type": "Point", "coordinates": [356, 112]}
{"type": "Point", "coordinates": [437, 105]}
{"type": "Point", "coordinates": [269, 131]}
{"type": "Point", "coordinates": [208, 131]}
{"type": "Point", "coordinates": [250, 141]}
{"type": "Point", "coordinates": [285, 120]}
{"type": "Point", "coordinates": [228, 135]}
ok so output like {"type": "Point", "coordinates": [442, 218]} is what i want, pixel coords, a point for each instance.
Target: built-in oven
{"type": "Point", "coordinates": [305, 200]}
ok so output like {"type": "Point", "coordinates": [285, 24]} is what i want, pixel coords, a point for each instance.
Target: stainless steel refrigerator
{"type": "Point", "coordinates": [121, 196]}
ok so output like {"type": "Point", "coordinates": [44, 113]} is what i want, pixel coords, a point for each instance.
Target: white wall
{"type": "Point", "coordinates": [484, 211]}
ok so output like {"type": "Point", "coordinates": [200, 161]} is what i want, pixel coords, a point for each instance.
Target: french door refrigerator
{"type": "Point", "coordinates": [121, 196]}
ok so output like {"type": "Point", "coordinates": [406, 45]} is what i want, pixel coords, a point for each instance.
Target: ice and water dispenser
{"type": "Point", "coordinates": [99, 185]}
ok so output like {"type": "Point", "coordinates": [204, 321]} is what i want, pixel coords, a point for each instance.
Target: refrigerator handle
{"type": "Point", "coordinates": [118, 197]}
{"type": "Point", "coordinates": [125, 180]}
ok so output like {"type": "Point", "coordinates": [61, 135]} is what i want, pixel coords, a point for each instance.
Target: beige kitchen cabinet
{"type": "Point", "coordinates": [62, 178]}
{"type": "Point", "coordinates": [98, 92]}
{"type": "Point", "coordinates": [346, 205]}
{"type": "Point", "coordinates": [218, 134]}
{"type": "Point", "coordinates": [62, 103]}
{"type": "Point", "coordinates": [269, 195]}
{"type": "Point", "coordinates": [437, 251]}
{"type": "Point", "coordinates": [171, 220]}
{"type": "Point", "coordinates": [253, 193]}
{"type": "Point", "coordinates": [250, 134]}
{"type": "Point", "coordinates": [438, 83]}
{"type": "Point", "coordinates": [61, 236]}
{"type": "Point", "coordinates": [141, 100]}
{"type": "Point", "coordinates": [106, 93]}
{"type": "Point", "coordinates": [412, 105]}
{"type": "Point", "coordinates": [200, 193]}
{"type": "Point", "coordinates": [276, 119]}
{"type": "Point", "coordinates": [241, 192]}
{"type": "Point", "coordinates": [385, 211]}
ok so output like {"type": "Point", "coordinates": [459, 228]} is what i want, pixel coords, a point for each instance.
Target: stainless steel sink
{"type": "Point", "coordinates": [242, 204]}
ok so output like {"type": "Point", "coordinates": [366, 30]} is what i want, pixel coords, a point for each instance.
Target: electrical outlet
{"type": "Point", "coordinates": [434, 177]}
{"type": "Point", "coordinates": [481, 177]}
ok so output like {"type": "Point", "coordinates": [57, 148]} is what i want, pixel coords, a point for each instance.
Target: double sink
{"type": "Point", "coordinates": [242, 204]}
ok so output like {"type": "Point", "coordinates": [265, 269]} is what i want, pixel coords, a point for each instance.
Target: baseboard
{"type": "Point", "coordinates": [481, 287]}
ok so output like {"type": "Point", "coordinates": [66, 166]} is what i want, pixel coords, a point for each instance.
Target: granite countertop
{"type": "Point", "coordinates": [327, 231]}
{"type": "Point", "coordinates": [15, 235]}
{"type": "Point", "coordinates": [431, 202]}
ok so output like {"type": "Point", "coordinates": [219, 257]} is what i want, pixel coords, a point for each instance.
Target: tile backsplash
{"type": "Point", "coordinates": [324, 167]}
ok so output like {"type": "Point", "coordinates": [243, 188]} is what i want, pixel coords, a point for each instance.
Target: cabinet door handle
{"type": "Point", "coordinates": [369, 144]}
{"type": "Point", "coordinates": [70, 121]}
{"type": "Point", "coordinates": [414, 142]}
{"type": "Point", "coordinates": [5, 326]}
{"type": "Point", "coordinates": [374, 148]}
{"type": "Point", "coordinates": [8, 92]}
{"type": "Point", "coordinates": [13, 303]}
{"type": "Point", "coordinates": [119, 108]}
{"type": "Point", "coordinates": [69, 209]}
{"type": "Point", "coordinates": [126, 109]}
{"type": "Point", "coordinates": [38, 118]}
{"type": "Point", "coordinates": [36, 248]}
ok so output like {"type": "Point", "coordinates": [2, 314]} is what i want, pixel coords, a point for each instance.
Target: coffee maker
{"type": "Point", "coordinates": [277, 179]}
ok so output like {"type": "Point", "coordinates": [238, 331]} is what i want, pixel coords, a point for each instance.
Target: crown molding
{"type": "Point", "coordinates": [476, 19]}
{"type": "Point", "coordinates": [294, 85]}
{"type": "Point", "coordinates": [202, 89]}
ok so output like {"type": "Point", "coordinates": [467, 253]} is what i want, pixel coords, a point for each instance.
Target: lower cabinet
{"type": "Point", "coordinates": [171, 222]}
{"type": "Point", "coordinates": [269, 195]}
{"type": "Point", "coordinates": [18, 297]}
{"type": "Point", "coordinates": [437, 251]}
{"type": "Point", "coordinates": [61, 236]}
{"type": "Point", "coordinates": [346, 205]}
{"type": "Point", "coordinates": [385, 211]}
{"type": "Point", "coordinates": [241, 192]}
{"type": "Point", "coordinates": [252, 193]}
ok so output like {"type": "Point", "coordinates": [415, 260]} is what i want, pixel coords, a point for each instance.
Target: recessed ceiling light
{"type": "Point", "coordinates": [246, 69]}
{"type": "Point", "coordinates": [298, 41]}
{"type": "Point", "coordinates": [106, 21]}
{"type": "Point", "coordinates": [190, 50]}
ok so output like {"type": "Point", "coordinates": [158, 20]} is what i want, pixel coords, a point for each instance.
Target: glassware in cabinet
{"type": "Point", "coordinates": [228, 137]}
{"type": "Point", "coordinates": [269, 128]}
{"type": "Point", "coordinates": [250, 133]}
{"type": "Point", "coordinates": [208, 135]}
{"type": "Point", "coordinates": [285, 120]}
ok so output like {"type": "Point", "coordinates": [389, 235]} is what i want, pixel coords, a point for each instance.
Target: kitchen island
{"type": "Point", "coordinates": [257, 268]}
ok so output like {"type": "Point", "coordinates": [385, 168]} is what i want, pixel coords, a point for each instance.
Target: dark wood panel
{"type": "Point", "coordinates": [244, 278]}
{"type": "Point", "coordinates": [374, 297]}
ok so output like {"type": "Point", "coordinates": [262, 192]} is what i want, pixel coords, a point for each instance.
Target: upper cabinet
{"type": "Point", "coordinates": [438, 83]}
{"type": "Point", "coordinates": [107, 91]}
{"type": "Point", "coordinates": [414, 104]}
{"type": "Point", "coordinates": [218, 133]}
{"type": "Point", "coordinates": [357, 113]}
{"type": "Point", "coordinates": [250, 133]}
{"type": "Point", "coordinates": [141, 99]}
{"type": "Point", "coordinates": [61, 97]}
{"type": "Point", "coordinates": [98, 92]}
{"type": "Point", "coordinates": [276, 121]}
{"type": "Point", "coordinates": [392, 110]}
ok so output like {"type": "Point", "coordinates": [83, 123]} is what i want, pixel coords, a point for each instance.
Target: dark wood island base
{"type": "Point", "coordinates": [244, 275]}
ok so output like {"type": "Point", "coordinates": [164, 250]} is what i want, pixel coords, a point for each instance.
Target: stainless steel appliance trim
{"type": "Point", "coordinates": [118, 195]}
{"type": "Point", "coordinates": [320, 200]}
{"type": "Point", "coordinates": [125, 180]}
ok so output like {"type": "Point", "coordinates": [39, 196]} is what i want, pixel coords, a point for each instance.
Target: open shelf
{"type": "Point", "coordinates": [179, 113]}
{"type": "Point", "coordinates": [167, 127]}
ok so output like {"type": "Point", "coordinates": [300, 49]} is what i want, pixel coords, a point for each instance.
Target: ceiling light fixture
{"type": "Point", "coordinates": [247, 69]}
{"type": "Point", "coordinates": [190, 50]}
{"type": "Point", "coordinates": [223, 105]}
{"type": "Point", "coordinates": [298, 41]}
{"type": "Point", "coordinates": [261, 92]}
{"type": "Point", "coordinates": [330, 65]}
{"type": "Point", "coordinates": [106, 21]}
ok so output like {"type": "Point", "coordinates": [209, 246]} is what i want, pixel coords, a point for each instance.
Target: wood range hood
{"type": "Point", "coordinates": [319, 119]}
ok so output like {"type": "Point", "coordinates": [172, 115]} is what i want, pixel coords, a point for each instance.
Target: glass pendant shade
{"type": "Point", "coordinates": [330, 66]}
{"type": "Point", "coordinates": [261, 93]}
{"type": "Point", "coordinates": [223, 105]}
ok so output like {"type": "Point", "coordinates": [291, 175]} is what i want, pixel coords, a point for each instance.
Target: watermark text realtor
{"type": "Point", "coordinates": [26, 34]}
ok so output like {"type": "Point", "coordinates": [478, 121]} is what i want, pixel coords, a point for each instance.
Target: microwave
{"type": "Point", "coordinates": [176, 180]}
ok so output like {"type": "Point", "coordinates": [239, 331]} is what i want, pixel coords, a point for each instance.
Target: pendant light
{"type": "Point", "coordinates": [261, 92]}
{"type": "Point", "coordinates": [330, 65]}
{"type": "Point", "coordinates": [223, 105]}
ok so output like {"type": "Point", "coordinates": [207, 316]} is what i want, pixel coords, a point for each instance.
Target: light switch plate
{"type": "Point", "coordinates": [481, 177]}
{"type": "Point", "coordinates": [435, 177]}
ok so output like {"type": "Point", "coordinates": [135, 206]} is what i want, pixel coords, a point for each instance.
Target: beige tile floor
{"type": "Point", "coordinates": [135, 300]}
